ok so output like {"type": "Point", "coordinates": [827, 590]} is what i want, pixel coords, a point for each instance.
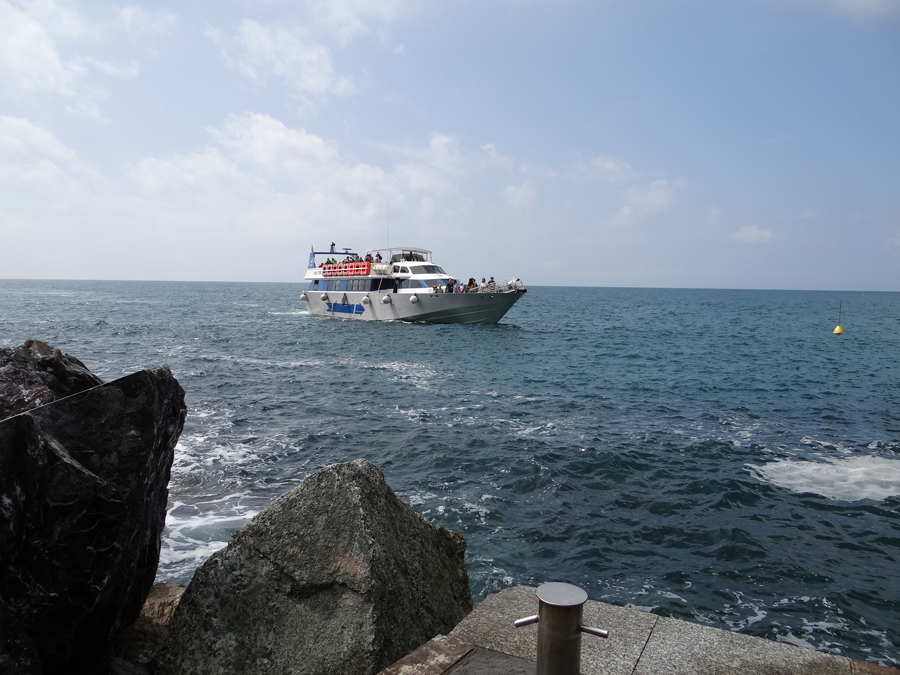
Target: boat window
{"type": "Point", "coordinates": [396, 269]}
{"type": "Point", "coordinates": [383, 285]}
{"type": "Point", "coordinates": [404, 270]}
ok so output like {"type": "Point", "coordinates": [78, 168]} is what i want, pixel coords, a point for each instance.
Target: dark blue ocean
{"type": "Point", "coordinates": [716, 456]}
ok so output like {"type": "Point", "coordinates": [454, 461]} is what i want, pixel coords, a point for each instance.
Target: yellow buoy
{"type": "Point", "coordinates": [839, 330]}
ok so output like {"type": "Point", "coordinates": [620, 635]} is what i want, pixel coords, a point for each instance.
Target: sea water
{"type": "Point", "coordinates": [715, 456]}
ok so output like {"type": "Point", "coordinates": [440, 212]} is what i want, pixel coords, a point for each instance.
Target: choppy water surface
{"type": "Point", "coordinates": [717, 456]}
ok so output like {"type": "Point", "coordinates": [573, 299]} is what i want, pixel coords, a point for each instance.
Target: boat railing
{"type": "Point", "coordinates": [508, 286]}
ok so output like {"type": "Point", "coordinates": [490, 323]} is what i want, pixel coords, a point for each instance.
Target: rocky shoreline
{"type": "Point", "coordinates": [337, 575]}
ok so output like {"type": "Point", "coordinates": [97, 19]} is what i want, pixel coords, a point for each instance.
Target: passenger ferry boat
{"type": "Point", "coordinates": [401, 284]}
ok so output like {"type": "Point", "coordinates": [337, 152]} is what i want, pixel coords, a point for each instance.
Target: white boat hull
{"type": "Point", "coordinates": [478, 308]}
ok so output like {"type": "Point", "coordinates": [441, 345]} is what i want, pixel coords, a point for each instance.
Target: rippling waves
{"type": "Point", "coordinates": [717, 456]}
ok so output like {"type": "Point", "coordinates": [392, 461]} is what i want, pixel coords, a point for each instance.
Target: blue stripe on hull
{"type": "Point", "coordinates": [345, 309]}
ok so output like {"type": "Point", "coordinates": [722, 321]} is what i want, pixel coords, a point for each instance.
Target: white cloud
{"type": "Point", "coordinates": [654, 198]}
{"type": "Point", "coordinates": [436, 168]}
{"type": "Point", "coordinates": [264, 177]}
{"type": "Point", "coordinates": [29, 59]}
{"type": "Point", "coordinates": [87, 109]}
{"type": "Point", "coordinates": [268, 144]}
{"type": "Point", "coordinates": [43, 43]}
{"type": "Point", "coordinates": [137, 22]}
{"type": "Point", "coordinates": [495, 158]}
{"type": "Point", "coordinates": [519, 197]}
{"type": "Point", "coordinates": [258, 179]}
{"type": "Point", "coordinates": [611, 168]}
{"type": "Point", "coordinates": [753, 234]}
{"type": "Point", "coordinates": [348, 18]}
{"type": "Point", "coordinates": [260, 52]}
{"type": "Point", "coordinates": [130, 70]}
{"type": "Point", "coordinates": [38, 171]}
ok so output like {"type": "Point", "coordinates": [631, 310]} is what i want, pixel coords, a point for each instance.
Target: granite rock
{"type": "Point", "coordinates": [83, 491]}
{"type": "Point", "coordinates": [336, 576]}
{"type": "Point", "coordinates": [36, 373]}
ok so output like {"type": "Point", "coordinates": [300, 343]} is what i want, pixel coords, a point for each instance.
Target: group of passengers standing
{"type": "Point", "coordinates": [353, 259]}
{"type": "Point", "coordinates": [454, 286]}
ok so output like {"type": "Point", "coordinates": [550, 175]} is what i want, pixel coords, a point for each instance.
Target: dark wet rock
{"type": "Point", "coordinates": [336, 576]}
{"type": "Point", "coordinates": [83, 490]}
{"type": "Point", "coordinates": [36, 373]}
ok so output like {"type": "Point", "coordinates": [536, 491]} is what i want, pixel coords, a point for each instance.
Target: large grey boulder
{"type": "Point", "coordinates": [35, 374]}
{"type": "Point", "coordinates": [83, 490]}
{"type": "Point", "coordinates": [337, 577]}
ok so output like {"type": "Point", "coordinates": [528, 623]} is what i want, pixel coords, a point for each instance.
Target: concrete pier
{"type": "Point", "coordinates": [639, 643]}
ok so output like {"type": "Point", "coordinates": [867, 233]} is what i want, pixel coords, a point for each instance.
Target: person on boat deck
{"type": "Point", "coordinates": [378, 257]}
{"type": "Point", "coordinates": [472, 284]}
{"type": "Point", "coordinates": [492, 283]}
{"type": "Point", "coordinates": [369, 258]}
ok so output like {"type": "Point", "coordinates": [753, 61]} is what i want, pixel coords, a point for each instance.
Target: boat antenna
{"type": "Point", "coordinates": [387, 222]}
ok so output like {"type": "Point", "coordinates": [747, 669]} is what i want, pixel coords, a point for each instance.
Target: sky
{"type": "Point", "coordinates": [665, 143]}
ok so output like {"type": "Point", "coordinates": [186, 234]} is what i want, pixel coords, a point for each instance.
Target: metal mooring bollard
{"type": "Point", "coordinates": [560, 608]}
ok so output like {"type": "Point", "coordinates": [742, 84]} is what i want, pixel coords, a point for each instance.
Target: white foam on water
{"type": "Point", "coordinates": [543, 429]}
{"type": "Point", "coordinates": [746, 612]}
{"type": "Point", "coordinates": [198, 552]}
{"type": "Point", "coordinates": [194, 532]}
{"type": "Point", "coordinates": [416, 374]}
{"type": "Point", "coordinates": [847, 479]}
{"type": "Point", "coordinates": [419, 498]}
